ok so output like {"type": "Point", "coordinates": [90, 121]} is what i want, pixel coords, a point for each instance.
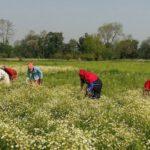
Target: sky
{"type": "Point", "coordinates": [76, 17]}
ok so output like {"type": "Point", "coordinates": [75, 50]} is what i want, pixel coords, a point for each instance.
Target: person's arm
{"type": "Point", "coordinates": [14, 74]}
{"type": "Point", "coordinates": [89, 89]}
{"type": "Point", "coordinates": [40, 73]}
{"type": "Point", "coordinates": [1, 75]}
{"type": "Point", "coordinates": [81, 83]}
{"type": "Point", "coordinates": [28, 75]}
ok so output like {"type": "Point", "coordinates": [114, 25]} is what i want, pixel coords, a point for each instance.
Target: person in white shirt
{"type": "Point", "coordinates": [4, 77]}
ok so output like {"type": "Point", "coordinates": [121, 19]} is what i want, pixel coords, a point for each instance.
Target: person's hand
{"type": "Point", "coordinates": [40, 81]}
{"type": "Point", "coordinates": [89, 93]}
{"type": "Point", "coordinates": [36, 82]}
{"type": "Point", "coordinates": [83, 90]}
{"type": "Point", "coordinates": [27, 80]}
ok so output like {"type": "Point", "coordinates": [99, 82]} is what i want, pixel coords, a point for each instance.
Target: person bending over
{"type": "Point", "coordinates": [34, 74]}
{"type": "Point", "coordinates": [93, 84]}
{"type": "Point", "coordinates": [11, 72]}
{"type": "Point", "coordinates": [4, 77]}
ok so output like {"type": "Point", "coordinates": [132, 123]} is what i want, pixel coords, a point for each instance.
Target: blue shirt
{"type": "Point", "coordinates": [36, 74]}
{"type": "Point", "coordinates": [91, 86]}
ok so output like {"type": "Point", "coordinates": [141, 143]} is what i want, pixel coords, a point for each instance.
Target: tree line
{"type": "Point", "coordinates": [108, 43]}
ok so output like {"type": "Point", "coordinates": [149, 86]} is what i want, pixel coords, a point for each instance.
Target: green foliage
{"type": "Point", "coordinates": [109, 33]}
{"type": "Point", "coordinates": [54, 42]}
{"type": "Point", "coordinates": [127, 49]}
{"type": "Point", "coordinates": [107, 44]}
{"type": "Point", "coordinates": [44, 45]}
{"type": "Point", "coordinates": [91, 45]}
{"type": "Point", "coordinates": [5, 50]}
{"type": "Point", "coordinates": [144, 50]}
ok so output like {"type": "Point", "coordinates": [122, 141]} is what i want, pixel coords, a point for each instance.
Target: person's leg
{"type": "Point", "coordinates": [97, 89]}
{"type": "Point", "coordinates": [89, 90]}
{"type": "Point", "coordinates": [38, 82]}
{"type": "Point", "coordinates": [96, 92]}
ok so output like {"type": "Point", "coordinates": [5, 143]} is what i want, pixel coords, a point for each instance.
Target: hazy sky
{"type": "Point", "coordinates": [75, 17]}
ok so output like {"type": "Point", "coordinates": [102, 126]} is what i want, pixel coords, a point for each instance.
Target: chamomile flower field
{"type": "Point", "coordinates": [56, 115]}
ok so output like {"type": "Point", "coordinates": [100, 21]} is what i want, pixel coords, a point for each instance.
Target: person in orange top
{"type": "Point", "coordinates": [34, 74]}
{"type": "Point", "coordinates": [146, 90]}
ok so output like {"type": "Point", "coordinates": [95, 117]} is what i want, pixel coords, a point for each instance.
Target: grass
{"type": "Point", "coordinates": [56, 115]}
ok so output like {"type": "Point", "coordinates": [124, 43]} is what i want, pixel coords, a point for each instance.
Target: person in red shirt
{"type": "Point", "coordinates": [94, 84]}
{"type": "Point", "coordinates": [11, 72]}
{"type": "Point", "coordinates": [146, 90]}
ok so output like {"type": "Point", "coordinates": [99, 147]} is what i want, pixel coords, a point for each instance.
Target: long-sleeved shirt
{"type": "Point", "coordinates": [36, 74]}
{"type": "Point", "coordinates": [89, 78]}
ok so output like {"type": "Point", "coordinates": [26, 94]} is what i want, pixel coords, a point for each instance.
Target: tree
{"type": "Point", "coordinates": [42, 43]}
{"type": "Point", "coordinates": [6, 30]}
{"type": "Point", "coordinates": [70, 47]}
{"type": "Point", "coordinates": [5, 50]}
{"type": "Point", "coordinates": [91, 46]}
{"type": "Point", "coordinates": [144, 50]}
{"type": "Point", "coordinates": [127, 48]}
{"type": "Point", "coordinates": [73, 45]}
{"type": "Point", "coordinates": [109, 33]}
{"type": "Point", "coordinates": [54, 43]}
{"type": "Point", "coordinates": [29, 46]}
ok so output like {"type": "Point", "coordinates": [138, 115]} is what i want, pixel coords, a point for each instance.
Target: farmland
{"type": "Point", "coordinates": [57, 115]}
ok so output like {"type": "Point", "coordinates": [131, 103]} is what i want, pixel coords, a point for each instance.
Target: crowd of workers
{"type": "Point", "coordinates": [35, 76]}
